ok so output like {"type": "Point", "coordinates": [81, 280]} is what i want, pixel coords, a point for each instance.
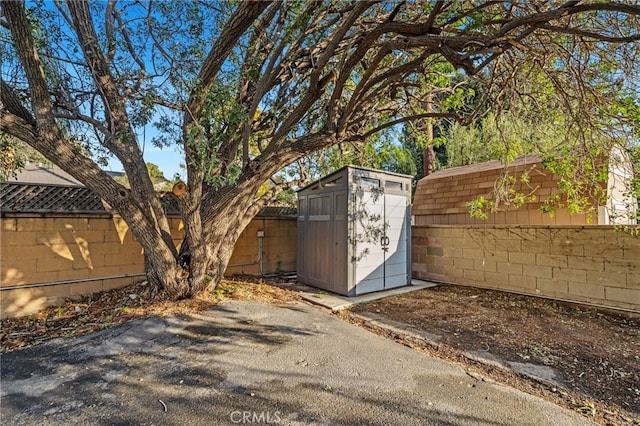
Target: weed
{"type": "Point", "coordinates": [534, 350]}
{"type": "Point", "coordinates": [588, 407]}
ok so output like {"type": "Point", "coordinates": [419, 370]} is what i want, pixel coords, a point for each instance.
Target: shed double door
{"type": "Point", "coordinates": [380, 242]}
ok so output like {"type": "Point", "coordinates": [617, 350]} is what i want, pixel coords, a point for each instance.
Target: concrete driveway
{"type": "Point", "coordinates": [252, 363]}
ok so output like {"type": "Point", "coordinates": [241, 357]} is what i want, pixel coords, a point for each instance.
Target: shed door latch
{"type": "Point", "coordinates": [384, 242]}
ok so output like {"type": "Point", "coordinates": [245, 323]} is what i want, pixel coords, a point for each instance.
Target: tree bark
{"type": "Point", "coordinates": [429, 155]}
{"type": "Point", "coordinates": [312, 77]}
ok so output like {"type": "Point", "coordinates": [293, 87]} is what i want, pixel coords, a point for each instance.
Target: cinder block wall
{"type": "Point", "coordinates": [595, 265]}
{"type": "Point", "coordinates": [94, 253]}
{"type": "Point", "coordinates": [279, 247]}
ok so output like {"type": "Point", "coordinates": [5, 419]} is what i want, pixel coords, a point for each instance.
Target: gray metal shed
{"type": "Point", "coordinates": [354, 231]}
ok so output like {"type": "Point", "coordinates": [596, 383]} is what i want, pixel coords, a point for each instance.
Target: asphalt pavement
{"type": "Point", "coordinates": [252, 363]}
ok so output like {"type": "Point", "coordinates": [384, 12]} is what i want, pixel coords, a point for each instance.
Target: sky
{"type": "Point", "coordinates": [167, 159]}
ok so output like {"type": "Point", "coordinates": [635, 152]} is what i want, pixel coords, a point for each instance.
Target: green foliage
{"type": "Point", "coordinates": [142, 111]}
{"type": "Point", "coordinates": [501, 137]}
{"type": "Point", "coordinates": [384, 153]}
{"type": "Point", "coordinates": [222, 116]}
{"type": "Point", "coordinates": [582, 180]}
{"type": "Point", "coordinates": [508, 190]}
{"type": "Point", "coordinates": [154, 171]}
{"type": "Point", "coordinates": [480, 208]}
{"type": "Point", "coordinates": [397, 159]}
{"type": "Point", "coordinates": [10, 162]}
{"type": "Point", "coordinates": [15, 154]}
{"type": "Point", "coordinates": [577, 155]}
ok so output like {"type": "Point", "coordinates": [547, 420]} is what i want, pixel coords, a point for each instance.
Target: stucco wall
{"type": "Point", "coordinates": [98, 252]}
{"type": "Point", "coordinates": [595, 265]}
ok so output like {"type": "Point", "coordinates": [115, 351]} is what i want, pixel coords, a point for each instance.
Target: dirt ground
{"type": "Point", "coordinates": [597, 353]}
{"type": "Point", "coordinates": [110, 308]}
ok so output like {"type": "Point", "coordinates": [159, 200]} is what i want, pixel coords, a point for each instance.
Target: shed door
{"type": "Point", "coordinates": [319, 243]}
{"type": "Point", "coordinates": [380, 241]}
{"type": "Point", "coordinates": [395, 208]}
{"type": "Point", "coordinates": [368, 232]}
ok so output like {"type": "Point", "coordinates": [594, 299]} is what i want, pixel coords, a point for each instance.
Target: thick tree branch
{"type": "Point", "coordinates": [570, 8]}
{"type": "Point", "coordinates": [590, 34]}
{"type": "Point", "coordinates": [236, 26]}
{"type": "Point", "coordinates": [269, 196]}
{"type": "Point", "coordinates": [437, 7]}
{"type": "Point", "coordinates": [142, 73]}
{"type": "Point", "coordinates": [99, 65]}
{"type": "Point", "coordinates": [12, 103]}
{"type": "Point", "coordinates": [368, 134]}
{"type": "Point", "coordinates": [250, 91]}
{"type": "Point", "coordinates": [18, 127]}
{"type": "Point", "coordinates": [313, 91]}
{"type": "Point", "coordinates": [109, 29]}
{"type": "Point", "coordinates": [123, 141]}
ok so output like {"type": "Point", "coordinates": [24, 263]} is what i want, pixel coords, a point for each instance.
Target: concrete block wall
{"type": "Point", "coordinates": [594, 265]}
{"type": "Point", "coordinates": [279, 247]}
{"type": "Point", "coordinates": [82, 254]}
{"type": "Point", "coordinates": [87, 254]}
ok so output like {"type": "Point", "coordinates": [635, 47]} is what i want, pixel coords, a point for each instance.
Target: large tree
{"type": "Point", "coordinates": [247, 89]}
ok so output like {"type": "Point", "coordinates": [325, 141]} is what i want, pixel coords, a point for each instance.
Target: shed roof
{"type": "Point", "coordinates": [484, 167]}
{"type": "Point", "coordinates": [448, 191]}
{"type": "Point", "coordinates": [352, 167]}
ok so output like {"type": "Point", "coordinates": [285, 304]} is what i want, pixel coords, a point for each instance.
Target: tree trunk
{"type": "Point", "coordinates": [429, 155]}
{"type": "Point", "coordinates": [211, 233]}
{"type": "Point", "coordinates": [165, 280]}
{"type": "Point", "coordinates": [202, 264]}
